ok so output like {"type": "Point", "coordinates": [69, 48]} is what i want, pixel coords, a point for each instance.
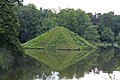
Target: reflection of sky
{"type": "Point", "coordinates": [91, 76]}
{"type": "Point", "coordinates": [102, 76]}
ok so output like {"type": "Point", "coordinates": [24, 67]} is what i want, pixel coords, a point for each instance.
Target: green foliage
{"type": "Point", "coordinates": [118, 38]}
{"type": "Point", "coordinates": [47, 19]}
{"type": "Point", "coordinates": [107, 35]}
{"type": "Point", "coordinates": [59, 38]}
{"type": "Point", "coordinates": [29, 20]}
{"type": "Point", "coordinates": [108, 26]}
{"type": "Point", "coordinates": [94, 18]}
{"type": "Point", "coordinates": [106, 20]}
{"type": "Point", "coordinates": [79, 22]}
{"type": "Point", "coordinates": [91, 34]}
{"type": "Point", "coordinates": [105, 24]}
{"type": "Point", "coordinates": [34, 22]}
{"type": "Point", "coordinates": [8, 30]}
{"type": "Point", "coordinates": [116, 25]}
{"type": "Point", "coordinates": [75, 20]}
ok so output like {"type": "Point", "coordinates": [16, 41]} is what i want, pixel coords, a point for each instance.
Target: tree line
{"type": "Point", "coordinates": [108, 26]}
{"type": "Point", "coordinates": [96, 28]}
{"type": "Point", "coordinates": [34, 22]}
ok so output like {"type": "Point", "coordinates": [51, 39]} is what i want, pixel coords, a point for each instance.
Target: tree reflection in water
{"type": "Point", "coordinates": [106, 60]}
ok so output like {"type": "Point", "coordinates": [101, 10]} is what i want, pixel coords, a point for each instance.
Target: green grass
{"type": "Point", "coordinates": [58, 38]}
{"type": "Point", "coordinates": [57, 60]}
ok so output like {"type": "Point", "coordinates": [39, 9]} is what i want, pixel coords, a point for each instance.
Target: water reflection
{"type": "Point", "coordinates": [90, 76]}
{"type": "Point", "coordinates": [65, 64]}
{"type": "Point", "coordinates": [57, 60]}
{"type": "Point", "coordinates": [6, 59]}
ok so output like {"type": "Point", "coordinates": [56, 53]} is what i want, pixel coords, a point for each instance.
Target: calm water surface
{"type": "Point", "coordinates": [100, 64]}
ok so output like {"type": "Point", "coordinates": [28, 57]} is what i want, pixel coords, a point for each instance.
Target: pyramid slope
{"type": "Point", "coordinates": [58, 38]}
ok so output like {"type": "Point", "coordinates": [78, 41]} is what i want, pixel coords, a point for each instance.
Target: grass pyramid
{"type": "Point", "coordinates": [58, 38]}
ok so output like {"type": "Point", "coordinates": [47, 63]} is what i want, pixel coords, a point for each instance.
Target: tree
{"type": "Point", "coordinates": [107, 35]}
{"type": "Point", "coordinates": [91, 34]}
{"type": "Point", "coordinates": [29, 20]}
{"type": "Point", "coordinates": [94, 18]}
{"type": "Point", "coordinates": [116, 25]}
{"type": "Point", "coordinates": [75, 20]}
{"type": "Point", "coordinates": [118, 38]}
{"type": "Point", "coordinates": [8, 30]}
{"type": "Point", "coordinates": [48, 21]}
{"type": "Point", "coordinates": [108, 25]}
{"type": "Point", "coordinates": [106, 20]}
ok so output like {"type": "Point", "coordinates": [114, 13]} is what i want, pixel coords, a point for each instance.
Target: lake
{"type": "Point", "coordinates": [100, 64]}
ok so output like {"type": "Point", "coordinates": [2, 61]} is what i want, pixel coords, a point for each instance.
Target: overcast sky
{"type": "Point", "coordinates": [93, 6]}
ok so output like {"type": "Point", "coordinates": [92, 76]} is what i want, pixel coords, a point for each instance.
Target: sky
{"type": "Point", "coordinates": [98, 6]}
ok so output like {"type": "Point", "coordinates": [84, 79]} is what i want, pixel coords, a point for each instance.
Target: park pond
{"type": "Point", "coordinates": [100, 64]}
